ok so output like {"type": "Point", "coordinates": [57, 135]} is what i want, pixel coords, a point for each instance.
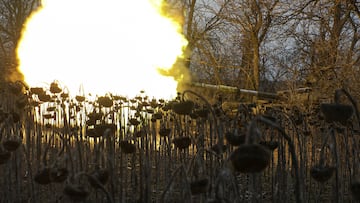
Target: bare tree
{"type": "Point", "coordinates": [242, 43]}
{"type": "Point", "coordinates": [252, 19]}
{"type": "Point", "coordinates": [13, 14]}
{"type": "Point", "coordinates": [327, 41]}
{"type": "Point", "coordinates": [205, 32]}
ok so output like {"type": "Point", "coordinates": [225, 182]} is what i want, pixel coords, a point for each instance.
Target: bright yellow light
{"type": "Point", "coordinates": [105, 45]}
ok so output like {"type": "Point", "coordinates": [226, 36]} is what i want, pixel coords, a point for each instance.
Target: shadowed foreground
{"type": "Point", "coordinates": [116, 149]}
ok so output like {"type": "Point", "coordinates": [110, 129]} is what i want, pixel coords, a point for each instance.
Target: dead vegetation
{"type": "Point", "coordinates": [61, 148]}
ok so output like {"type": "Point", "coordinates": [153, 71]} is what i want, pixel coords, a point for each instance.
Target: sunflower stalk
{"type": "Point", "coordinates": [298, 190]}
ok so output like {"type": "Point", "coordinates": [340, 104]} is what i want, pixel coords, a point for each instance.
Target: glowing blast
{"type": "Point", "coordinates": [106, 45]}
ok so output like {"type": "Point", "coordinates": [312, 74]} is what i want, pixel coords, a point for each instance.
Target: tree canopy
{"type": "Point", "coordinates": [245, 43]}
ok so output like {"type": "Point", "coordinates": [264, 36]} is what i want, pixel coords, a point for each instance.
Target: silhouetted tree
{"type": "Point", "coordinates": [13, 14]}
